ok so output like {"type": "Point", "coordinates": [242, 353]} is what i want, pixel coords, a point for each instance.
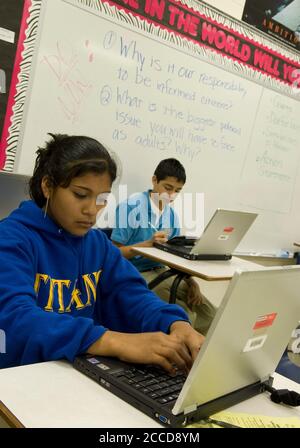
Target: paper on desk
{"type": "Point", "coordinates": [250, 421]}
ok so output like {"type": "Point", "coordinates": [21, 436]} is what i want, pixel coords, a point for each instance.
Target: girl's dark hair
{"type": "Point", "coordinates": [65, 157]}
{"type": "Point", "coordinates": [170, 168]}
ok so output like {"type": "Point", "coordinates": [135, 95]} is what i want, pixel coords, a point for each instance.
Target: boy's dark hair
{"type": "Point", "coordinates": [170, 168]}
{"type": "Point", "coordinates": [65, 157]}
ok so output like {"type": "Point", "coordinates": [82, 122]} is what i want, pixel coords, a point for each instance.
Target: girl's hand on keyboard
{"type": "Point", "coordinates": [190, 337]}
{"type": "Point", "coordinates": [169, 351]}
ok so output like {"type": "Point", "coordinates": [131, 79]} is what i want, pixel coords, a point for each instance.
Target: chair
{"type": "Point", "coordinates": [288, 369]}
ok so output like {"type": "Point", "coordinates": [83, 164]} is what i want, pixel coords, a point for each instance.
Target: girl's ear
{"type": "Point", "coordinates": [46, 187]}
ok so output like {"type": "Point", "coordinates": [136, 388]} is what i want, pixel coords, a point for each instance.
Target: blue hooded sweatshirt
{"type": "Point", "coordinates": [59, 293]}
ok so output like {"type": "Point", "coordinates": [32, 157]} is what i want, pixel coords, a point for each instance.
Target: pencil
{"type": "Point", "coordinates": [150, 224]}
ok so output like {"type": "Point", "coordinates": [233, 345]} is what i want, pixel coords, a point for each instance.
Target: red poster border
{"type": "Point", "coordinates": [13, 84]}
{"type": "Point", "coordinates": [143, 16]}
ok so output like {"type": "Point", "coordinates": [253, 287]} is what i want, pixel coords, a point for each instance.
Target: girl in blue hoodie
{"type": "Point", "coordinates": [64, 288]}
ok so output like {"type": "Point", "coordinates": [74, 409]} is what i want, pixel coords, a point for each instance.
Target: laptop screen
{"type": "Point", "coordinates": [246, 340]}
{"type": "Point", "coordinates": [224, 232]}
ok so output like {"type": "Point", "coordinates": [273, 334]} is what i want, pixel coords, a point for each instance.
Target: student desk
{"type": "Point", "coordinates": [207, 270]}
{"type": "Point", "coordinates": [55, 395]}
{"type": "Point", "coordinates": [181, 268]}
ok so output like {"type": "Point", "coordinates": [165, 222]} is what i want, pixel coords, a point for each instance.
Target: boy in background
{"type": "Point", "coordinates": [147, 217]}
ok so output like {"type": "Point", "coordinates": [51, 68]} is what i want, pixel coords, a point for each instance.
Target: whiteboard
{"type": "Point", "coordinates": [147, 99]}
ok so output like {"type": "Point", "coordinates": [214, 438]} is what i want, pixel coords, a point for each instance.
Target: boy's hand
{"type": "Point", "coordinates": [160, 237]}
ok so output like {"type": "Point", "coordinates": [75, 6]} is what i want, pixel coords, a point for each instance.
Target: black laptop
{"type": "Point", "coordinates": [241, 351]}
{"type": "Point", "coordinates": [220, 238]}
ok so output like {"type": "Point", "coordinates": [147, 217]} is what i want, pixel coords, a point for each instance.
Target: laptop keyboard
{"type": "Point", "coordinates": [153, 382]}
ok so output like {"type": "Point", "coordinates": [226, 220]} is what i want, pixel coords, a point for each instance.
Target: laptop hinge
{"type": "Point", "coordinates": [190, 409]}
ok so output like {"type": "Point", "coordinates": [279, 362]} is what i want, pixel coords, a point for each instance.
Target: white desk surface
{"type": "Point", "coordinates": [54, 394]}
{"type": "Point", "coordinates": [207, 270]}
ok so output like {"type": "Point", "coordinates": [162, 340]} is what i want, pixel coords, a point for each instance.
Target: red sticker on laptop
{"type": "Point", "coordinates": [228, 229]}
{"type": "Point", "coordinates": [264, 321]}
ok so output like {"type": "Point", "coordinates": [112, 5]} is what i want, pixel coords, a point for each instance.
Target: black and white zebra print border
{"type": "Point", "coordinates": [22, 86]}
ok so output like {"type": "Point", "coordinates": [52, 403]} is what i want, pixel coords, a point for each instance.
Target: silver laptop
{"type": "Point", "coordinates": [220, 238]}
{"type": "Point", "coordinates": [242, 349]}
